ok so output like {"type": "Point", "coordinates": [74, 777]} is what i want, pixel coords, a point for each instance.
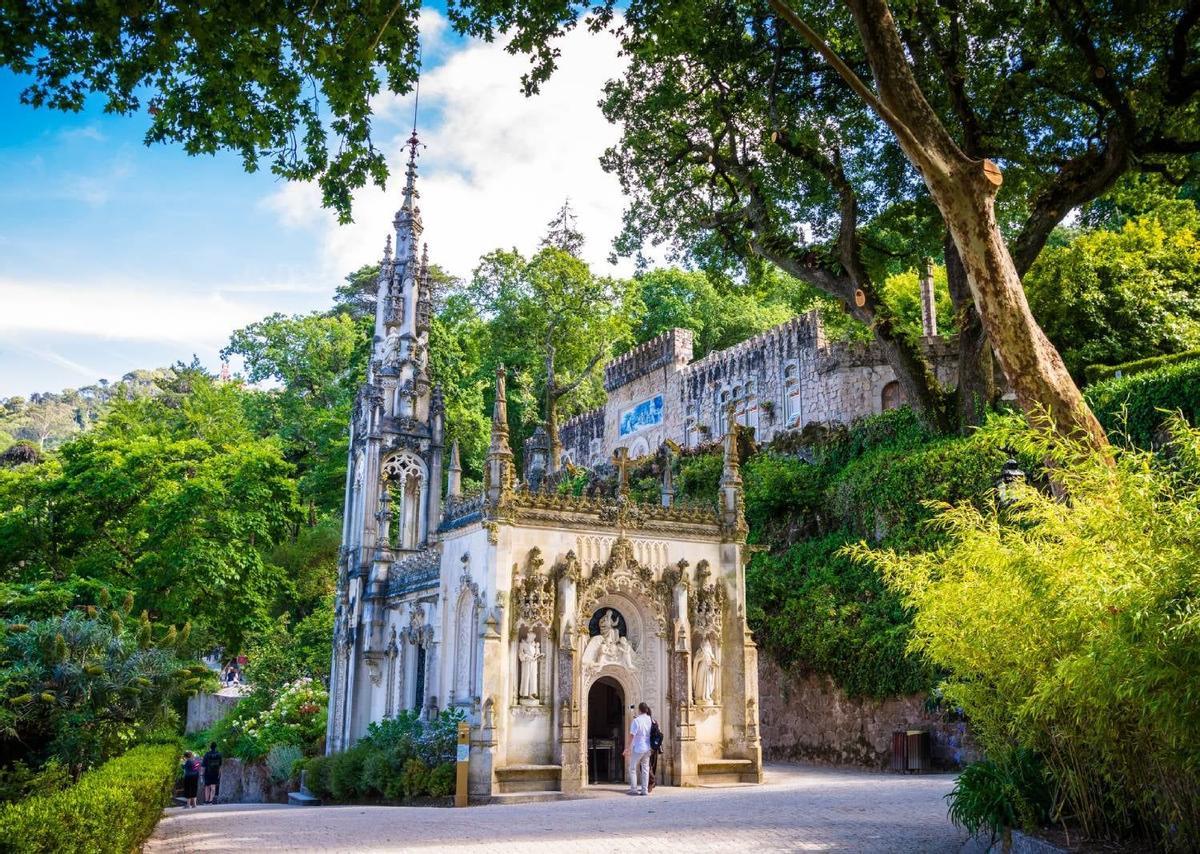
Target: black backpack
{"type": "Point", "coordinates": [656, 736]}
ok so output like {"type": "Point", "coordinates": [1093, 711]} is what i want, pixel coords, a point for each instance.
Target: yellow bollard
{"type": "Point", "coordinates": [464, 762]}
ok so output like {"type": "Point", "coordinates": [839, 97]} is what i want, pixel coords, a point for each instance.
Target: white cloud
{"type": "Point", "coordinates": [91, 133]}
{"type": "Point", "coordinates": [161, 313]}
{"type": "Point", "coordinates": [62, 361]}
{"type": "Point", "coordinates": [496, 165]}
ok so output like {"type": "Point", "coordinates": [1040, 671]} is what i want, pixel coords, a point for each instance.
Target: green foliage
{"type": "Point", "coordinates": [172, 496]}
{"type": "Point", "coordinates": [294, 714]}
{"type": "Point", "coordinates": [902, 293]}
{"type": "Point", "coordinates": [1139, 406]}
{"type": "Point", "coordinates": [318, 360]}
{"type": "Point", "coordinates": [553, 323]}
{"type": "Point", "coordinates": [393, 760]}
{"type": "Point", "coordinates": [18, 781]}
{"type": "Point", "coordinates": [880, 494]}
{"type": "Point", "coordinates": [1070, 628]}
{"type": "Point", "coordinates": [75, 689]}
{"type": "Point", "coordinates": [1010, 789]}
{"type": "Point", "coordinates": [719, 316]}
{"type": "Point", "coordinates": [111, 809]}
{"type": "Point", "coordinates": [265, 84]}
{"type": "Point", "coordinates": [442, 780]}
{"type": "Point", "coordinates": [813, 607]}
{"type": "Point", "coordinates": [1099, 373]}
{"type": "Point", "coordinates": [1116, 296]}
{"type": "Point", "coordinates": [41, 599]}
{"type": "Point", "coordinates": [346, 773]}
{"type": "Point", "coordinates": [281, 761]}
{"type": "Point", "coordinates": [414, 778]}
{"type": "Point", "coordinates": [699, 476]}
{"type": "Point", "coordinates": [458, 340]}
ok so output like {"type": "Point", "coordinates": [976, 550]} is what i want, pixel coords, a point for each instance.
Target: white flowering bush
{"type": "Point", "coordinates": [296, 715]}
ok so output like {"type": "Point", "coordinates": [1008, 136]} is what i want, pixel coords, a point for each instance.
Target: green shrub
{"type": "Point", "coordinates": [881, 495]}
{"type": "Point", "coordinates": [442, 780]}
{"type": "Point", "coordinates": [378, 774]}
{"type": "Point", "coordinates": [281, 762]}
{"type": "Point", "coordinates": [1100, 373]}
{"type": "Point", "coordinates": [345, 776]}
{"type": "Point", "coordinates": [814, 607]}
{"type": "Point", "coordinates": [1010, 789]}
{"type": "Point", "coordinates": [1138, 407]}
{"type": "Point", "coordinates": [698, 477]}
{"type": "Point", "coordinates": [1070, 628]}
{"type": "Point", "coordinates": [19, 781]}
{"type": "Point", "coordinates": [112, 808]}
{"type": "Point", "coordinates": [319, 769]}
{"type": "Point", "coordinates": [415, 778]}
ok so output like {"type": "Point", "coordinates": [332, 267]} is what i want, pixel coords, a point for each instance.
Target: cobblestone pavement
{"type": "Point", "coordinates": [797, 808]}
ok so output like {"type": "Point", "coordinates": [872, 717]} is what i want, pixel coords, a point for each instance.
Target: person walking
{"type": "Point", "coordinates": [212, 773]}
{"type": "Point", "coordinates": [639, 750]}
{"type": "Point", "coordinates": [656, 743]}
{"type": "Point", "coordinates": [191, 778]}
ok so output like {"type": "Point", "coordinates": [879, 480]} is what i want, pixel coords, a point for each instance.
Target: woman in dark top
{"type": "Point", "coordinates": [191, 777]}
{"type": "Point", "coordinates": [212, 773]}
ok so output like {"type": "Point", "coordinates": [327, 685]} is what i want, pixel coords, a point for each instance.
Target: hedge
{"type": "Point", "coordinates": [1100, 373]}
{"type": "Point", "coordinates": [1137, 407]}
{"type": "Point", "coordinates": [112, 808]}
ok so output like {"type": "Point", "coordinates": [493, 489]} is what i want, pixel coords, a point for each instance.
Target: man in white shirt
{"type": "Point", "coordinates": [639, 749]}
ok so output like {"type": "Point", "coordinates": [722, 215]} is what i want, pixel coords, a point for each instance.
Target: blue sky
{"type": "Point", "coordinates": [115, 256]}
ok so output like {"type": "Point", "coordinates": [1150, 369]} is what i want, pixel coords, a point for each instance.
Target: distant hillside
{"type": "Point", "coordinates": [47, 419]}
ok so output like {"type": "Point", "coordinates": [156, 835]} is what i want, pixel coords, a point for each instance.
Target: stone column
{"type": "Point", "coordinates": [484, 738]}
{"type": "Point", "coordinates": [684, 752]}
{"type": "Point", "coordinates": [572, 742]}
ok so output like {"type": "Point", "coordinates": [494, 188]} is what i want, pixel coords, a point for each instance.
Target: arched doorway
{"type": "Point", "coordinates": [606, 731]}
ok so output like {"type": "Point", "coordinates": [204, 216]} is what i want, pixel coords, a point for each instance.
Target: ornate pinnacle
{"type": "Point", "coordinates": [731, 472]}
{"type": "Point", "coordinates": [498, 475]}
{"type": "Point", "coordinates": [387, 250]}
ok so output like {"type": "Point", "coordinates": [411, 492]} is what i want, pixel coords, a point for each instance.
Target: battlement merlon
{"type": "Point", "coordinates": [673, 347]}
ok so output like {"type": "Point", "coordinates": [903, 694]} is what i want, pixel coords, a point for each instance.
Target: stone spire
{"type": "Point", "coordinates": [454, 487]}
{"type": "Point", "coordinates": [732, 518]}
{"type": "Point", "coordinates": [498, 474]}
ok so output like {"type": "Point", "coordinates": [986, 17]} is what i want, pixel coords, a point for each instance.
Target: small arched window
{"type": "Point", "coordinates": [892, 396]}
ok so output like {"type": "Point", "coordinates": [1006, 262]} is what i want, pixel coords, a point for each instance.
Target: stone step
{"type": "Point", "coordinates": [518, 798]}
{"type": "Point", "coordinates": [725, 771]}
{"type": "Point", "coordinates": [522, 779]}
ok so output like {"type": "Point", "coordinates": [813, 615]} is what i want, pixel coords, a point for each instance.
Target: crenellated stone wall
{"type": "Point", "coordinates": [777, 381]}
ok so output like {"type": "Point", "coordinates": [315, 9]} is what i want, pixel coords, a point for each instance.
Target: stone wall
{"type": "Point", "coordinates": [204, 710]}
{"type": "Point", "coordinates": [779, 380]}
{"type": "Point", "coordinates": [806, 717]}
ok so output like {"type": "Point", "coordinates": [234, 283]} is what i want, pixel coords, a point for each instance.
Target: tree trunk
{"type": "Point", "coordinates": [976, 379]}
{"type": "Point", "coordinates": [1031, 364]}
{"type": "Point", "coordinates": [964, 191]}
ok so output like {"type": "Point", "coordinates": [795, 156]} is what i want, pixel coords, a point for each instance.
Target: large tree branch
{"type": "Point", "coordinates": [1182, 81]}
{"type": "Point", "coordinates": [561, 391]}
{"type": "Point", "coordinates": [1080, 181]}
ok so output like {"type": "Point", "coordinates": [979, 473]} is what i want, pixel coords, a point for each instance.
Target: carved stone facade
{"type": "Point", "coordinates": [543, 617]}
{"type": "Point", "coordinates": [780, 380]}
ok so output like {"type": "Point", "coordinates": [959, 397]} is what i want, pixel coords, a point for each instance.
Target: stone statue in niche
{"type": "Point", "coordinates": [529, 654]}
{"type": "Point", "coordinates": [609, 647]}
{"type": "Point", "coordinates": [705, 677]}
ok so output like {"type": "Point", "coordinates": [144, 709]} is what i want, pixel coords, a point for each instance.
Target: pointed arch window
{"type": "Point", "coordinates": [404, 477]}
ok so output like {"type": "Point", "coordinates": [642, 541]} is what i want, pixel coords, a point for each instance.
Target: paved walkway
{"type": "Point", "coordinates": [797, 809]}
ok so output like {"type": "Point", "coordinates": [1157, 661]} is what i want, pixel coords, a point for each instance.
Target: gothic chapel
{"type": "Point", "coordinates": [545, 618]}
